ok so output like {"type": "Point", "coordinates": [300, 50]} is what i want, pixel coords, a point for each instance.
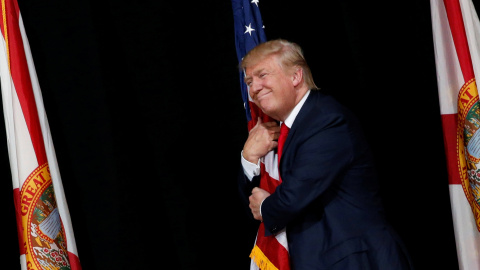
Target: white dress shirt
{"type": "Point", "coordinates": [251, 169]}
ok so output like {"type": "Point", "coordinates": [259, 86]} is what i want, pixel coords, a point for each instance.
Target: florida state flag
{"type": "Point", "coordinates": [44, 228]}
{"type": "Point", "coordinates": [456, 33]}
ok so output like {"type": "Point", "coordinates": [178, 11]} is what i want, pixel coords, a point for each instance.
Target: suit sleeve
{"type": "Point", "coordinates": [312, 164]}
{"type": "Point", "coordinates": [245, 187]}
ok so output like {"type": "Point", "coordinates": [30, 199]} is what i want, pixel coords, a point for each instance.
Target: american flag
{"type": "Point", "coordinates": [249, 32]}
{"type": "Point", "coordinates": [269, 252]}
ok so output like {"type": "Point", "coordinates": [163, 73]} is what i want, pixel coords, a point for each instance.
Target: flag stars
{"type": "Point", "coordinates": [249, 29]}
{"type": "Point", "coordinates": [255, 2]}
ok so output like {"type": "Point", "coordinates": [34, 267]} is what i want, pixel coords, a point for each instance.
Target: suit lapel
{"type": "Point", "coordinates": [297, 124]}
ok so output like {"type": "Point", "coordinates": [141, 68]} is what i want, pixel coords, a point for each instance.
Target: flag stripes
{"type": "Point", "coordinates": [44, 227]}
{"type": "Point", "coordinates": [268, 252]}
{"type": "Point", "coordinates": [456, 59]}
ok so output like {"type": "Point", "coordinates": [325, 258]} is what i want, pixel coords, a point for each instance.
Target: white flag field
{"type": "Point", "coordinates": [45, 231]}
{"type": "Point", "coordinates": [456, 36]}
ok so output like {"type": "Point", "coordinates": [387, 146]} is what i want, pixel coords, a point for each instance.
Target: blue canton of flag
{"type": "Point", "coordinates": [249, 32]}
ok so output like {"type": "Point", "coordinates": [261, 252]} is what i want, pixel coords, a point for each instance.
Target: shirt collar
{"type": "Point", "coordinates": [291, 117]}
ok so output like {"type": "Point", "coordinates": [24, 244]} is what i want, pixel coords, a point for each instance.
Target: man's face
{"type": "Point", "coordinates": [271, 88]}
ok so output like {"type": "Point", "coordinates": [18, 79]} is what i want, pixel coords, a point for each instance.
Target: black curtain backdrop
{"type": "Point", "coordinates": [144, 105]}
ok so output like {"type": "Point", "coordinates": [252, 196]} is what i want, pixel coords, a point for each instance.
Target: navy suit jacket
{"type": "Point", "coordinates": [329, 197]}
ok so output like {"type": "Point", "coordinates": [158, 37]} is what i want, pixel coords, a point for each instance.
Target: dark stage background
{"type": "Point", "coordinates": [144, 106]}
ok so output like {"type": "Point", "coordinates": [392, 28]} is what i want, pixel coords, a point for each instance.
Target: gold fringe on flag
{"type": "Point", "coordinates": [261, 260]}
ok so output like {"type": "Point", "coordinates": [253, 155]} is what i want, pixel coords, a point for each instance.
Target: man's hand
{"type": "Point", "coordinates": [262, 138]}
{"type": "Point", "coordinates": [256, 199]}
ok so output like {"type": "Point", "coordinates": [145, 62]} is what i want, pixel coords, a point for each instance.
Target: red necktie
{"type": "Point", "coordinates": [281, 140]}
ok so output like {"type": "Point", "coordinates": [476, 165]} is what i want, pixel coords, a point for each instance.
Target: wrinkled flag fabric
{"type": "Point", "coordinates": [45, 231]}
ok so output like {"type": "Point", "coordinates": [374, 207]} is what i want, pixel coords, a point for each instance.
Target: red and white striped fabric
{"type": "Point", "coordinates": [456, 33]}
{"type": "Point", "coordinates": [268, 253]}
{"type": "Point", "coordinates": [44, 227]}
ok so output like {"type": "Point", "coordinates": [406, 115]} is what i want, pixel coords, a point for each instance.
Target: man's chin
{"type": "Point", "coordinates": [268, 112]}
{"type": "Point", "coordinates": [265, 107]}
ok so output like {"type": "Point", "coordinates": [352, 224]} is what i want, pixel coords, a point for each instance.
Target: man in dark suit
{"type": "Point", "coordinates": [328, 199]}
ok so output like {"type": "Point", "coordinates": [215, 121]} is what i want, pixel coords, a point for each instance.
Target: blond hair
{"type": "Point", "coordinates": [289, 54]}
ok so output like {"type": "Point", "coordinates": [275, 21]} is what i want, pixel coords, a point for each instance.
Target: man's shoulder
{"type": "Point", "coordinates": [324, 98]}
{"type": "Point", "coordinates": [322, 106]}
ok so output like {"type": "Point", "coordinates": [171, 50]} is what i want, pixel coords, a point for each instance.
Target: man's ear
{"type": "Point", "coordinates": [297, 77]}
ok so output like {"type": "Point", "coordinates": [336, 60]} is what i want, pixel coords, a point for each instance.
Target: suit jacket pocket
{"type": "Point", "coordinates": [343, 250]}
